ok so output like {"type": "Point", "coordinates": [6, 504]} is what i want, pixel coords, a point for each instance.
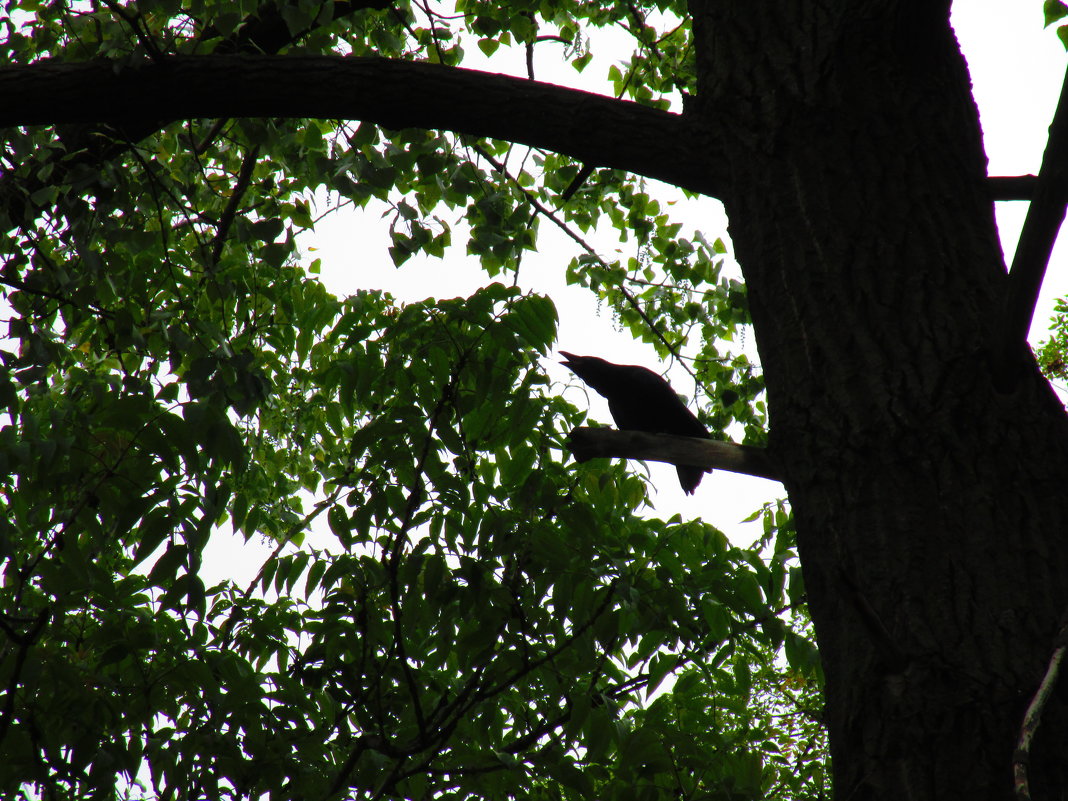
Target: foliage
{"type": "Point", "coordinates": [1053, 354]}
{"type": "Point", "coordinates": [483, 619]}
{"type": "Point", "coordinates": [1054, 11]}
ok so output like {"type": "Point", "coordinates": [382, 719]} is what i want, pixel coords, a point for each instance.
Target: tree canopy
{"type": "Point", "coordinates": [487, 618]}
{"type": "Point", "coordinates": [452, 606]}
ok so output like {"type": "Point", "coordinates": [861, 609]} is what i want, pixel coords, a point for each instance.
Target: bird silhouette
{"type": "Point", "coordinates": [641, 400]}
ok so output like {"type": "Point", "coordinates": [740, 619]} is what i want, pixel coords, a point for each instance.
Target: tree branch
{"type": "Point", "coordinates": [593, 128]}
{"type": "Point", "coordinates": [1040, 229]}
{"type": "Point", "coordinates": [244, 178]}
{"type": "Point", "coordinates": [601, 131]}
{"type": "Point", "coordinates": [593, 443]}
{"type": "Point", "coordinates": [1011, 187]}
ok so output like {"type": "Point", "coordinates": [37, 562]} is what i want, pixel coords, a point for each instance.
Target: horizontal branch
{"type": "Point", "coordinates": [1011, 187]}
{"type": "Point", "coordinates": [592, 128]}
{"type": "Point", "coordinates": [597, 130]}
{"type": "Point", "coordinates": [593, 443]}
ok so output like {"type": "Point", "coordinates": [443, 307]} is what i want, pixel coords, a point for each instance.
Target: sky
{"type": "Point", "coordinates": [1017, 69]}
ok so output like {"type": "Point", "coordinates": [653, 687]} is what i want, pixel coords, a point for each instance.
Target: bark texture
{"type": "Point", "coordinates": [931, 507]}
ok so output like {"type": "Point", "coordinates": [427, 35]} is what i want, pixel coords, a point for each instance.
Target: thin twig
{"type": "Point", "coordinates": [244, 178]}
{"type": "Point", "coordinates": [1033, 716]}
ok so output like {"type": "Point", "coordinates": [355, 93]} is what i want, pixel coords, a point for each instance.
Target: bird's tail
{"type": "Point", "coordinates": [690, 477]}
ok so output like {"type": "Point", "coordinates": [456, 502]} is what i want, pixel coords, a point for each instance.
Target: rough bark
{"type": "Point", "coordinates": [931, 508]}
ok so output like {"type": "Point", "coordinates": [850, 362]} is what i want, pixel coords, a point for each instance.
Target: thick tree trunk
{"type": "Point", "coordinates": [932, 508]}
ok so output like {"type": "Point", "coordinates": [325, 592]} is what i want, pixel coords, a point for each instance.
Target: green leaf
{"type": "Point", "coordinates": [164, 573]}
{"type": "Point", "coordinates": [659, 667]}
{"type": "Point", "coordinates": [1053, 10]}
{"type": "Point", "coordinates": [339, 525]}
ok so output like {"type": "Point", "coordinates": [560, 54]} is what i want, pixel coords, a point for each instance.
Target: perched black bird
{"type": "Point", "coordinates": [640, 400]}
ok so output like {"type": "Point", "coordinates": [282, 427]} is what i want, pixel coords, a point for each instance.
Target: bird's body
{"type": "Point", "coordinates": [641, 400]}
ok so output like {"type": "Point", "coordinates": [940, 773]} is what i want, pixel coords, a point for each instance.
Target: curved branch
{"type": "Point", "coordinates": [593, 128]}
{"type": "Point", "coordinates": [592, 443]}
{"type": "Point", "coordinates": [244, 178]}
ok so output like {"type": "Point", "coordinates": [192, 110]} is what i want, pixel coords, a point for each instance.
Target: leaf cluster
{"type": "Point", "coordinates": [1054, 11]}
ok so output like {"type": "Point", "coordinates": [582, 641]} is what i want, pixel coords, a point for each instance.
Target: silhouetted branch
{"type": "Point", "coordinates": [395, 94]}
{"type": "Point", "coordinates": [1012, 187]}
{"type": "Point", "coordinates": [244, 178]}
{"type": "Point", "coordinates": [593, 443]}
{"type": "Point", "coordinates": [1040, 229]}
